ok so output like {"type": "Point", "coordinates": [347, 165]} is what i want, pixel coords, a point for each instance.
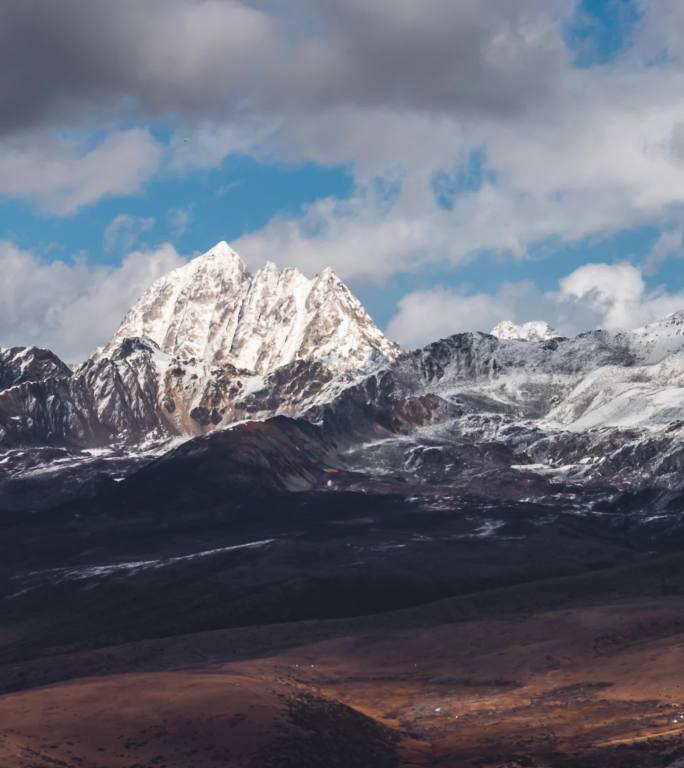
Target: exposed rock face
{"type": "Point", "coordinates": [598, 408]}
{"type": "Point", "coordinates": [104, 400]}
{"type": "Point", "coordinates": [216, 346]}
{"type": "Point", "coordinates": [477, 373]}
{"type": "Point", "coordinates": [22, 364]}
{"type": "Point", "coordinates": [213, 311]}
{"type": "Point", "coordinates": [206, 344]}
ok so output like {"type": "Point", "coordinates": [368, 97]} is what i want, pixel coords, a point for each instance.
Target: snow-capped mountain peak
{"type": "Point", "coordinates": [535, 330]}
{"type": "Point", "coordinates": [213, 310]}
{"type": "Point", "coordinates": [21, 364]}
{"type": "Point", "coordinates": [655, 341]}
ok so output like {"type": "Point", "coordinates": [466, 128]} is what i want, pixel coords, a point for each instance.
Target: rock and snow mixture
{"type": "Point", "coordinates": [211, 345]}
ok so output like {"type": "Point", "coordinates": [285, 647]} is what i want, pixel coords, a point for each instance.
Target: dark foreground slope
{"type": "Point", "coordinates": [573, 672]}
{"type": "Point", "coordinates": [249, 599]}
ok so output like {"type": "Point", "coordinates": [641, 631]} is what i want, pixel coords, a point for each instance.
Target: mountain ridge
{"type": "Point", "coordinates": [206, 344]}
{"type": "Point", "coordinates": [533, 330]}
{"type": "Point", "coordinates": [601, 406]}
{"type": "Point", "coordinates": [213, 310]}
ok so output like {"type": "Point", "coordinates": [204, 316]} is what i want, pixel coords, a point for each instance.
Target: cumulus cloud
{"type": "Point", "coordinates": [610, 296]}
{"type": "Point", "coordinates": [403, 90]}
{"type": "Point", "coordinates": [614, 291]}
{"type": "Point", "coordinates": [363, 238]}
{"type": "Point", "coordinates": [62, 175]}
{"type": "Point", "coordinates": [95, 57]}
{"type": "Point", "coordinates": [598, 152]}
{"type": "Point", "coordinates": [71, 307]}
{"type": "Point", "coordinates": [374, 233]}
{"type": "Point", "coordinates": [240, 57]}
{"type": "Point", "coordinates": [334, 82]}
{"type": "Point", "coordinates": [428, 315]}
{"type": "Point", "coordinates": [660, 38]}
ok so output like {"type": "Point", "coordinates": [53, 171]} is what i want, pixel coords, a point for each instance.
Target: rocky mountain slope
{"type": "Point", "coordinates": [600, 408]}
{"type": "Point", "coordinates": [384, 542]}
{"type": "Point", "coordinates": [213, 311]}
{"type": "Point", "coordinates": [19, 365]}
{"type": "Point", "coordinates": [207, 343]}
{"type": "Point", "coordinates": [210, 346]}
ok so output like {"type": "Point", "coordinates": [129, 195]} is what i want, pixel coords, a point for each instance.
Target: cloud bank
{"type": "Point", "coordinates": [71, 307]}
{"type": "Point", "coordinates": [466, 125]}
{"type": "Point", "coordinates": [609, 296]}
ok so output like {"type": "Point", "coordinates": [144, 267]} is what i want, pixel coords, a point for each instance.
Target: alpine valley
{"type": "Point", "coordinates": [250, 530]}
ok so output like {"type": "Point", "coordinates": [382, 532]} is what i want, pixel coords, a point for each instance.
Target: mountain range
{"type": "Point", "coordinates": [251, 531]}
{"type": "Point", "coordinates": [211, 346]}
{"type": "Point", "coordinates": [205, 344]}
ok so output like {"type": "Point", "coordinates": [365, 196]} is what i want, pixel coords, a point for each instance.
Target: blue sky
{"type": "Point", "coordinates": [478, 177]}
{"type": "Point", "coordinates": [221, 204]}
{"type": "Point", "coordinates": [600, 30]}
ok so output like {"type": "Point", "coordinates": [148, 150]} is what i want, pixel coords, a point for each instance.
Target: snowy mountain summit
{"type": "Point", "coordinates": [535, 330]}
{"type": "Point", "coordinates": [210, 345]}
{"type": "Point", "coordinates": [214, 311]}
{"type": "Point", "coordinates": [207, 344]}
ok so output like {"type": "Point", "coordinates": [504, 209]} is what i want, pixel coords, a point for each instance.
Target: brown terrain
{"type": "Point", "coordinates": [177, 621]}
{"type": "Point", "coordinates": [592, 686]}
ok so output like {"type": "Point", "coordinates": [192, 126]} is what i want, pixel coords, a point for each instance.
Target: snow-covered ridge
{"type": "Point", "coordinates": [209, 345]}
{"type": "Point", "coordinates": [478, 384]}
{"type": "Point", "coordinates": [655, 341]}
{"type": "Point", "coordinates": [213, 310]}
{"type": "Point", "coordinates": [21, 364]}
{"type": "Point", "coordinates": [535, 330]}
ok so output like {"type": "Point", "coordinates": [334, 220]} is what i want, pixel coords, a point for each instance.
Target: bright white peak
{"type": "Point", "coordinates": [654, 342]}
{"type": "Point", "coordinates": [212, 309]}
{"type": "Point", "coordinates": [535, 330]}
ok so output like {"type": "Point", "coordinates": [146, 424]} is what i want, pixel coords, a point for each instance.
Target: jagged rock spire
{"type": "Point", "coordinates": [212, 309]}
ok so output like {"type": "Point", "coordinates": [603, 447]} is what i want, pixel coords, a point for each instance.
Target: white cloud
{"type": "Point", "coordinates": [660, 36]}
{"type": "Point", "coordinates": [428, 315]}
{"type": "Point", "coordinates": [207, 144]}
{"type": "Point", "coordinates": [124, 231]}
{"type": "Point", "coordinates": [359, 238]}
{"type": "Point", "coordinates": [71, 307]}
{"type": "Point", "coordinates": [618, 294]}
{"type": "Point", "coordinates": [610, 296]}
{"type": "Point", "coordinates": [372, 234]}
{"type": "Point", "coordinates": [600, 152]}
{"type": "Point", "coordinates": [615, 291]}
{"type": "Point", "coordinates": [63, 175]}
{"type": "Point", "coordinates": [397, 89]}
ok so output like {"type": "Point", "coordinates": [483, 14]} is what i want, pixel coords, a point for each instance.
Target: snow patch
{"type": "Point", "coordinates": [535, 330]}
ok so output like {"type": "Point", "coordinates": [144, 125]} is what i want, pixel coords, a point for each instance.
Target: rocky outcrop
{"type": "Point", "coordinates": [213, 311]}
{"type": "Point", "coordinates": [210, 346]}
{"type": "Point", "coordinates": [206, 344]}
{"type": "Point", "coordinates": [21, 364]}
